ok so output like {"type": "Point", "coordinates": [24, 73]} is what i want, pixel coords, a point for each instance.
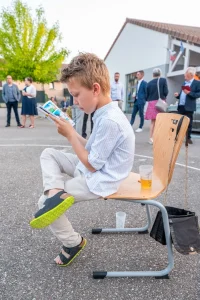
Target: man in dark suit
{"type": "Point", "coordinates": [11, 96]}
{"type": "Point", "coordinates": [64, 104]}
{"type": "Point", "coordinates": [187, 98]}
{"type": "Point", "coordinates": [140, 100]}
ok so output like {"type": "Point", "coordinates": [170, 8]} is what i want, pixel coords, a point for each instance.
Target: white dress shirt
{"type": "Point", "coordinates": [183, 95]}
{"type": "Point", "coordinates": [138, 86]}
{"type": "Point", "coordinates": [111, 148]}
{"type": "Point", "coordinates": [31, 90]}
{"type": "Point", "coordinates": [117, 91]}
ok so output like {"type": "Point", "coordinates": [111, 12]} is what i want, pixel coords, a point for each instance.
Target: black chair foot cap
{"type": "Point", "coordinates": [143, 232]}
{"type": "Point", "coordinates": [99, 274]}
{"type": "Point", "coordinates": [143, 204]}
{"type": "Point", "coordinates": [162, 277]}
{"type": "Point", "coordinates": [96, 230]}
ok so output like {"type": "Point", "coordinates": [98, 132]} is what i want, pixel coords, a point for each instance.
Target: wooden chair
{"type": "Point", "coordinates": [165, 155]}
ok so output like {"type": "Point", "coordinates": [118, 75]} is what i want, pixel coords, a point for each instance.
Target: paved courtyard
{"type": "Point", "coordinates": [27, 270]}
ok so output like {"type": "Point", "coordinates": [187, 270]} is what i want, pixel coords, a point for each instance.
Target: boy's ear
{"type": "Point", "coordinates": [96, 89]}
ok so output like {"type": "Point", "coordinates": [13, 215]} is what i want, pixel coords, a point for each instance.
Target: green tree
{"type": "Point", "coordinates": [27, 46]}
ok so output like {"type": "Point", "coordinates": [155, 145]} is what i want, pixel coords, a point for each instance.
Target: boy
{"type": "Point", "coordinates": [100, 164]}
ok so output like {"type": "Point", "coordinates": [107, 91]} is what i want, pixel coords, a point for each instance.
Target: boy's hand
{"type": "Point", "coordinates": [64, 127]}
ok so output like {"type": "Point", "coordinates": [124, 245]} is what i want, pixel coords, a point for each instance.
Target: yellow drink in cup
{"type": "Point", "coordinates": [146, 176]}
{"type": "Point", "coordinates": [145, 183]}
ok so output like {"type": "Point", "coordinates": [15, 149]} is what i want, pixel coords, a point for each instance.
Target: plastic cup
{"type": "Point", "coordinates": [120, 219]}
{"type": "Point", "coordinates": [146, 176]}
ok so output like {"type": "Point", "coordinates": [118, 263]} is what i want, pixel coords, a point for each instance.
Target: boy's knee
{"type": "Point", "coordinates": [48, 152]}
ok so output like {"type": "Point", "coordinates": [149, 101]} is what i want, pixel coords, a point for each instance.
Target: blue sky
{"type": "Point", "coordinates": [92, 25]}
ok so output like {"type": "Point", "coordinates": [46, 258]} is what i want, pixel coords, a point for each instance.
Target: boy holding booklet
{"type": "Point", "coordinates": [98, 166]}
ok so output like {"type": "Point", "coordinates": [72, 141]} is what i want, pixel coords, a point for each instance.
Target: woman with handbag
{"type": "Point", "coordinates": [28, 103]}
{"type": "Point", "coordinates": [157, 89]}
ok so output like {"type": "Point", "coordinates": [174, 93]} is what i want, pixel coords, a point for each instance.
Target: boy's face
{"type": "Point", "coordinates": [86, 99]}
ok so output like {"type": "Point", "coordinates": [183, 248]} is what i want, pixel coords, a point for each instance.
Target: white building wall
{"type": "Point", "coordinates": [137, 48]}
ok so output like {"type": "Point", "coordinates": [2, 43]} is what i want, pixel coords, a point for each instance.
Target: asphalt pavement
{"type": "Point", "coordinates": [27, 269]}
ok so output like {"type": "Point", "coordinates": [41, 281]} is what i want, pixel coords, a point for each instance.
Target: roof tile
{"type": "Point", "coordinates": [183, 32]}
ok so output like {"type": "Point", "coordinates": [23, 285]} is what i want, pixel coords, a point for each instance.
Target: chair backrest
{"type": "Point", "coordinates": [165, 135]}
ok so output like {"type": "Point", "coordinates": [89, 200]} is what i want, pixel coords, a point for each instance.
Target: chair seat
{"type": "Point", "coordinates": [131, 189]}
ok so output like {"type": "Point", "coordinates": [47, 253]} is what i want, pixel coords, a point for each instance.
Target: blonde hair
{"type": "Point", "coordinates": [88, 69]}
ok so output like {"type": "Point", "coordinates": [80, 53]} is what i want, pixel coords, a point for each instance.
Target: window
{"type": "Point", "coordinates": [51, 85]}
{"type": "Point", "coordinates": [194, 59]}
{"type": "Point", "coordinates": [180, 63]}
{"type": "Point", "coordinates": [131, 84]}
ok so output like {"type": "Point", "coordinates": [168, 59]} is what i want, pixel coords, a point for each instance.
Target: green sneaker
{"type": "Point", "coordinates": [53, 208]}
{"type": "Point", "coordinates": [67, 255]}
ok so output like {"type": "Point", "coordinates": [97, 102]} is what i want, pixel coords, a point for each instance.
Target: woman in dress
{"type": "Point", "coordinates": [53, 99]}
{"type": "Point", "coordinates": [152, 98]}
{"type": "Point", "coordinates": [28, 102]}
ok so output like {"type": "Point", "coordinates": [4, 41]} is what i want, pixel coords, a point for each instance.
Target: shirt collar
{"type": "Point", "coordinates": [190, 81]}
{"type": "Point", "coordinates": [139, 81]}
{"type": "Point", "coordinates": [100, 111]}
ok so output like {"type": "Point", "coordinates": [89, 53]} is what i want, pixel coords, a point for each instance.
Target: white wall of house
{"type": "Point", "coordinates": [137, 48]}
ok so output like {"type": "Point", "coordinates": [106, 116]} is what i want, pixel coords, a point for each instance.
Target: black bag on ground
{"type": "Point", "coordinates": [183, 227]}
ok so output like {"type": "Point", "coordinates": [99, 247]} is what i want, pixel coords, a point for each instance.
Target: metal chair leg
{"type": "Point", "coordinates": [149, 220]}
{"type": "Point", "coordinates": [158, 274]}
{"type": "Point", "coordinates": [141, 230]}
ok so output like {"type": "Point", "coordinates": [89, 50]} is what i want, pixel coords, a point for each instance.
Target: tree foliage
{"type": "Point", "coordinates": [27, 46]}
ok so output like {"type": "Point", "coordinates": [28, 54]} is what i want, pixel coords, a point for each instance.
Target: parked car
{"type": "Point", "coordinates": [196, 118]}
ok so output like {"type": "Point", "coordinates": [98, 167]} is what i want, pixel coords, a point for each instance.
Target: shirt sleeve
{"type": "Point", "coordinates": [105, 141]}
{"type": "Point", "coordinates": [18, 93]}
{"type": "Point", "coordinates": [32, 91]}
{"type": "Point", "coordinates": [4, 94]}
{"type": "Point", "coordinates": [122, 93]}
{"type": "Point", "coordinates": [165, 89]}
{"type": "Point", "coordinates": [111, 91]}
{"type": "Point", "coordinates": [195, 94]}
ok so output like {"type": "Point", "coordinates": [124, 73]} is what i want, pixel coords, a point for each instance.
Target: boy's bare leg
{"type": "Point", "coordinates": [63, 230]}
{"type": "Point", "coordinates": [53, 192]}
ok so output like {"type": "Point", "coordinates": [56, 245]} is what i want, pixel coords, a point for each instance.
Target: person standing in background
{"type": "Point", "coordinates": [187, 98]}
{"type": "Point", "coordinates": [64, 104]}
{"type": "Point", "coordinates": [197, 76]}
{"type": "Point", "coordinates": [53, 99]}
{"type": "Point", "coordinates": [117, 90]}
{"type": "Point", "coordinates": [77, 116]}
{"type": "Point", "coordinates": [11, 96]}
{"type": "Point", "coordinates": [29, 103]}
{"type": "Point", "coordinates": [152, 98]}
{"type": "Point", "coordinates": [140, 100]}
